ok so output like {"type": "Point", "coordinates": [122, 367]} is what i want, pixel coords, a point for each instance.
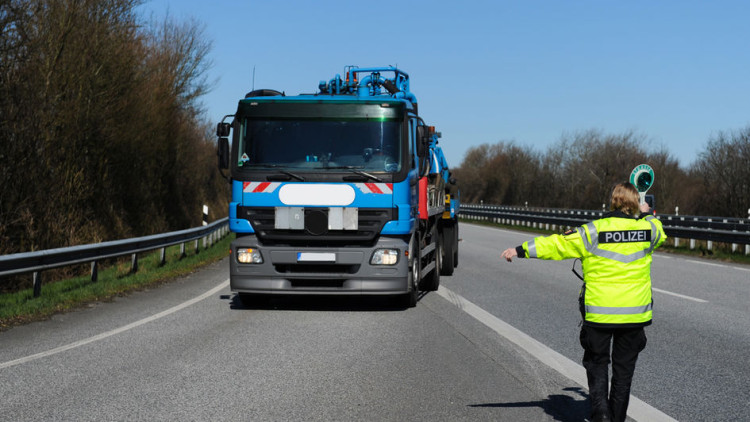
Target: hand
{"type": "Point", "coordinates": [509, 253]}
{"type": "Point", "coordinates": [645, 207]}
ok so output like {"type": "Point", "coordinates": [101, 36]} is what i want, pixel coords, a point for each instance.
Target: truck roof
{"type": "Point", "coordinates": [360, 85]}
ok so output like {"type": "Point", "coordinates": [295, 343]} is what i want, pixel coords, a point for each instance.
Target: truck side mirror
{"type": "Point", "coordinates": [422, 141]}
{"type": "Point", "coordinates": [222, 129]}
{"type": "Point", "coordinates": [223, 153]}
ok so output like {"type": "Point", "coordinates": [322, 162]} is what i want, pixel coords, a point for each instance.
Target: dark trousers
{"type": "Point", "coordinates": [625, 343]}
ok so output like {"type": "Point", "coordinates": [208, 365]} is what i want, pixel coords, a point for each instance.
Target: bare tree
{"type": "Point", "coordinates": [673, 186]}
{"type": "Point", "coordinates": [725, 172]}
{"type": "Point", "coordinates": [592, 162]}
{"type": "Point", "coordinates": [576, 172]}
{"type": "Point", "coordinates": [102, 129]}
{"type": "Point", "coordinates": [503, 173]}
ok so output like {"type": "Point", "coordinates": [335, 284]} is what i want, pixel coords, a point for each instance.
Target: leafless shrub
{"type": "Point", "coordinates": [101, 126]}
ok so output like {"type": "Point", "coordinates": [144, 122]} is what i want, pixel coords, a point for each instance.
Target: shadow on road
{"type": "Point", "coordinates": [561, 407]}
{"type": "Point", "coordinates": [351, 303]}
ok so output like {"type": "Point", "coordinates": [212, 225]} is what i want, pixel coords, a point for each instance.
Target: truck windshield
{"type": "Point", "coordinates": [373, 145]}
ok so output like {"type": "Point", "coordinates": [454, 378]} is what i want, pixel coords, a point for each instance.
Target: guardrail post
{"type": "Point", "coordinates": [94, 271]}
{"type": "Point", "coordinates": [676, 213]}
{"type": "Point", "coordinates": [37, 279]}
{"type": "Point", "coordinates": [554, 226]}
{"type": "Point", "coordinates": [692, 241]}
{"type": "Point", "coordinates": [734, 245]}
{"type": "Point", "coordinates": [676, 239]}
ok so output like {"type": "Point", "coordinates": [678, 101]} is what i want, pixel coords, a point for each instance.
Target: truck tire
{"type": "Point", "coordinates": [447, 264]}
{"type": "Point", "coordinates": [432, 281]}
{"type": "Point", "coordinates": [410, 298]}
{"type": "Point", "coordinates": [455, 245]}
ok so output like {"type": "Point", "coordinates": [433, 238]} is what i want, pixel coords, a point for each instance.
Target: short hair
{"type": "Point", "coordinates": [625, 198]}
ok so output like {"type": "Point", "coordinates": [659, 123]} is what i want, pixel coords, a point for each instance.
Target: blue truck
{"type": "Point", "coordinates": [344, 191]}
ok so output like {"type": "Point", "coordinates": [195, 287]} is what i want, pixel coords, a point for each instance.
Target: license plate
{"type": "Point", "coordinates": [316, 257]}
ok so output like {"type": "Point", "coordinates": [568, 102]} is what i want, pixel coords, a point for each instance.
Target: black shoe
{"type": "Point", "coordinates": [601, 417]}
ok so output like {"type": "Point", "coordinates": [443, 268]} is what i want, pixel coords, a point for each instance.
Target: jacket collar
{"type": "Point", "coordinates": [618, 214]}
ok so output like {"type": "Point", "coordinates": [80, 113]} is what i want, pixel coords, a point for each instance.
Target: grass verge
{"type": "Point", "coordinates": [115, 280]}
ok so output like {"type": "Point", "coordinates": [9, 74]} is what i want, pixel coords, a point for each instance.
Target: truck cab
{"type": "Point", "coordinates": [326, 189]}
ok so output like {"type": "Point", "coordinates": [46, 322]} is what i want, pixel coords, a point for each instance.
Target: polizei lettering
{"type": "Point", "coordinates": [625, 236]}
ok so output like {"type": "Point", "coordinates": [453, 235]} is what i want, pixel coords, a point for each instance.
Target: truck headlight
{"type": "Point", "coordinates": [384, 257]}
{"type": "Point", "coordinates": [249, 256]}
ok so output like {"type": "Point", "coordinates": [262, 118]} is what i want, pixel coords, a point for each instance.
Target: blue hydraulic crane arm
{"type": "Point", "coordinates": [438, 163]}
{"type": "Point", "coordinates": [371, 85]}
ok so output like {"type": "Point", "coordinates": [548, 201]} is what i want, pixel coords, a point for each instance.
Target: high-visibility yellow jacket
{"type": "Point", "coordinates": [615, 253]}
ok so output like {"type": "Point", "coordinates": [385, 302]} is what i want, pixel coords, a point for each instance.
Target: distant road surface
{"type": "Point", "coordinates": [498, 342]}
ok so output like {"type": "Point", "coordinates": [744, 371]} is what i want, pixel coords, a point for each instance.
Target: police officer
{"type": "Point", "coordinates": [616, 304]}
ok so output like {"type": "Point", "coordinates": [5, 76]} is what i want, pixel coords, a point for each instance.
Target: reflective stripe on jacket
{"type": "Point", "coordinates": [615, 252]}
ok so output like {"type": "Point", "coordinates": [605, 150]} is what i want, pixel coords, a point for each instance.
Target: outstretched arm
{"type": "Point", "coordinates": [509, 253]}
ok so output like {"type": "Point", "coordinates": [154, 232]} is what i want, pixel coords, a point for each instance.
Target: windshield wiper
{"type": "Point", "coordinates": [276, 168]}
{"type": "Point", "coordinates": [354, 170]}
{"type": "Point", "coordinates": [290, 174]}
{"type": "Point", "coordinates": [368, 175]}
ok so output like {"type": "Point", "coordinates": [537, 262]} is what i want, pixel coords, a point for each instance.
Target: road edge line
{"type": "Point", "coordinates": [119, 330]}
{"type": "Point", "coordinates": [638, 409]}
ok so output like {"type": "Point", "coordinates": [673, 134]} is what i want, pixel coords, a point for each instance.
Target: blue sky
{"type": "Point", "coordinates": [528, 71]}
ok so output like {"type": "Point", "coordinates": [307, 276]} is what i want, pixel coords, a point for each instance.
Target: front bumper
{"type": "Point", "coordinates": [346, 270]}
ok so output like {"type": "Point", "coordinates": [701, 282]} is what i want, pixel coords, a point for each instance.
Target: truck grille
{"type": "Point", "coordinates": [370, 222]}
{"type": "Point", "coordinates": [316, 269]}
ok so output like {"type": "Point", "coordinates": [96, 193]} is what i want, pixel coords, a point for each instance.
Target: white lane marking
{"type": "Point", "coordinates": [695, 299]}
{"type": "Point", "coordinates": [710, 264]}
{"type": "Point", "coordinates": [110, 333]}
{"type": "Point", "coordinates": [714, 264]}
{"type": "Point", "coordinates": [638, 409]}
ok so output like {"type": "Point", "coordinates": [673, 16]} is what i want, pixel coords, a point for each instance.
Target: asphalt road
{"type": "Point", "coordinates": [498, 342]}
{"type": "Point", "coordinates": [695, 366]}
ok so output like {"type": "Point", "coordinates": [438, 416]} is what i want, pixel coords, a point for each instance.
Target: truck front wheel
{"type": "Point", "coordinates": [410, 298]}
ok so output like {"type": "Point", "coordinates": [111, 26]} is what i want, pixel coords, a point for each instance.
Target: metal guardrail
{"type": "Point", "coordinates": [712, 229]}
{"type": "Point", "coordinates": [39, 261]}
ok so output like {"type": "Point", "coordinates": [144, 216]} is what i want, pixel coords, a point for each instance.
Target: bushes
{"type": "Point", "coordinates": [100, 124]}
{"type": "Point", "coordinates": [579, 172]}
